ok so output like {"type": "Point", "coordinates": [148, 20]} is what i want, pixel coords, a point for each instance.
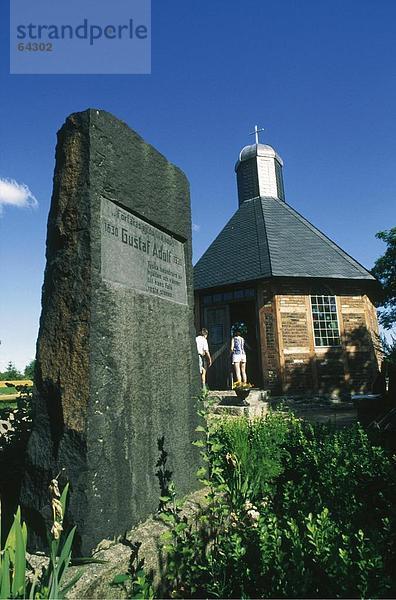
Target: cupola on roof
{"type": "Point", "coordinates": [254, 150]}
{"type": "Point", "coordinates": [259, 171]}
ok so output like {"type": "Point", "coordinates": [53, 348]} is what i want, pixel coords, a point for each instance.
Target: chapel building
{"type": "Point", "coordinates": [307, 305]}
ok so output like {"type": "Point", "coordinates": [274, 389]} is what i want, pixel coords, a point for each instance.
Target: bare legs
{"type": "Point", "coordinates": [243, 372]}
{"type": "Point", "coordinates": [203, 377]}
{"type": "Point", "coordinates": [237, 369]}
{"type": "Point", "coordinates": [240, 371]}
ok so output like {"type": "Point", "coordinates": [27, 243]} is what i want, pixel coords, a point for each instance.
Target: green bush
{"type": "Point", "coordinates": [15, 428]}
{"type": "Point", "coordinates": [293, 511]}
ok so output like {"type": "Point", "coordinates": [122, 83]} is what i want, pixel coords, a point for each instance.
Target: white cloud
{"type": "Point", "coordinates": [16, 194]}
{"type": "Point", "coordinates": [196, 227]}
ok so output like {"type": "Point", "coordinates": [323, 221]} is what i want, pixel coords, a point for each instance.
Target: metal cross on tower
{"type": "Point", "coordinates": [256, 133]}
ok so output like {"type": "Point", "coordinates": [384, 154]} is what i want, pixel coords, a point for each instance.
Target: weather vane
{"type": "Point", "coordinates": [256, 133]}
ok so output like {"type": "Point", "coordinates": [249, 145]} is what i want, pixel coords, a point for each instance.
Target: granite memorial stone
{"type": "Point", "coordinates": [116, 363]}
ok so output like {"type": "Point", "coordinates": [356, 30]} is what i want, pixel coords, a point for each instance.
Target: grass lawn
{"type": "Point", "coordinates": [5, 391]}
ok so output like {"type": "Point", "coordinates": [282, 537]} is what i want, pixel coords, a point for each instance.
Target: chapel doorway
{"type": "Point", "coordinates": [218, 320]}
{"type": "Point", "coordinates": [245, 312]}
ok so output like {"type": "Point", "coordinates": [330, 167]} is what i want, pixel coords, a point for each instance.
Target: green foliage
{"type": "Point", "coordinates": [14, 582]}
{"type": "Point", "coordinates": [136, 583]}
{"type": "Point", "coordinates": [11, 372]}
{"type": "Point", "coordinates": [6, 406]}
{"type": "Point", "coordinates": [15, 431]}
{"type": "Point", "coordinates": [293, 511]}
{"type": "Point", "coordinates": [13, 560]}
{"type": "Point", "coordinates": [60, 548]}
{"type": "Point", "coordinates": [6, 391]}
{"type": "Point", "coordinates": [255, 454]}
{"type": "Point", "coordinates": [388, 350]}
{"type": "Point", "coordinates": [385, 271]}
{"type": "Point", "coordinates": [29, 370]}
{"type": "Point", "coordinates": [337, 469]}
{"type": "Point", "coordinates": [13, 442]}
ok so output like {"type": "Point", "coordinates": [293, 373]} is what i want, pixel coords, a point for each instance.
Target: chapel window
{"type": "Point", "coordinates": [325, 320]}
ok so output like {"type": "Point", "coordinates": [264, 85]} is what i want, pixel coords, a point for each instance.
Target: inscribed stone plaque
{"type": "Point", "coordinates": [140, 256]}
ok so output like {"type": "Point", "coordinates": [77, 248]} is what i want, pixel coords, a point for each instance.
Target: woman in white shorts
{"type": "Point", "coordinates": [238, 356]}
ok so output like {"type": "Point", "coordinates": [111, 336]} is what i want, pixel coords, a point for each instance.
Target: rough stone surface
{"type": "Point", "coordinates": [116, 367]}
{"type": "Point", "coordinates": [96, 578]}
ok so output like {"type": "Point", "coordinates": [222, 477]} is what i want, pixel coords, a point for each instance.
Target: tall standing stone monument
{"type": "Point", "coordinates": [116, 364]}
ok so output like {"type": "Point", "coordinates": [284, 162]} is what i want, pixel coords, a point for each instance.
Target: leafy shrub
{"type": "Point", "coordinates": [16, 421]}
{"type": "Point", "coordinates": [293, 511]}
{"type": "Point", "coordinates": [340, 470]}
{"type": "Point", "coordinates": [15, 428]}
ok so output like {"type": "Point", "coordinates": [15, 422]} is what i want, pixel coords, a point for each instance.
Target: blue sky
{"type": "Point", "coordinates": [318, 75]}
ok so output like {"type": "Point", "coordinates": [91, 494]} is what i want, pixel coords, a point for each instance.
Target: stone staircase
{"type": "Point", "coordinates": [228, 404]}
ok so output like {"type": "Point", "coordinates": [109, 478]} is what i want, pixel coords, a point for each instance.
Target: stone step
{"type": "Point", "coordinates": [229, 395]}
{"type": "Point", "coordinates": [228, 403]}
{"type": "Point", "coordinates": [250, 411]}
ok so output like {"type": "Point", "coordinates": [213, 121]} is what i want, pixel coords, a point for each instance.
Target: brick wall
{"type": "Point", "coordinates": [268, 339]}
{"type": "Point", "coordinates": [290, 360]}
{"type": "Point", "coordinates": [291, 363]}
{"type": "Point", "coordinates": [360, 329]}
{"type": "Point", "coordinates": [293, 317]}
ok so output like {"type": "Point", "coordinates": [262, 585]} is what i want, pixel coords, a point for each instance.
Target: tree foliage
{"type": "Point", "coordinates": [29, 370]}
{"type": "Point", "coordinates": [385, 271]}
{"type": "Point", "coordinates": [11, 373]}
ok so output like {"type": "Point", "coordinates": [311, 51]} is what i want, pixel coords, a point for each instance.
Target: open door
{"type": "Point", "coordinates": [217, 322]}
{"type": "Point", "coordinates": [246, 312]}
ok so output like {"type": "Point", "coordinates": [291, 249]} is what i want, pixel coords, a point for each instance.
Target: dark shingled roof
{"type": "Point", "coordinates": [268, 238]}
